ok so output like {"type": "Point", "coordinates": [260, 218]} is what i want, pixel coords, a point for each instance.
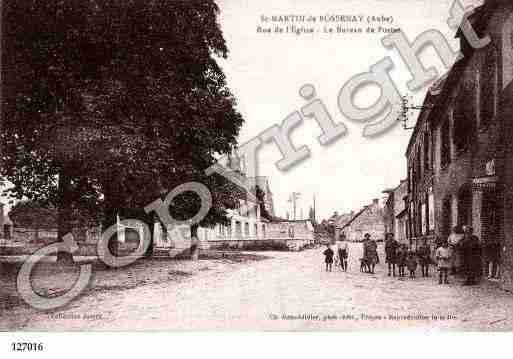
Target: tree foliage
{"type": "Point", "coordinates": [109, 103]}
{"type": "Point", "coordinates": [29, 214]}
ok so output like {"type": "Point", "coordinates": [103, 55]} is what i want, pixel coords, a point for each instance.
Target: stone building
{"type": "Point", "coordinates": [395, 214]}
{"type": "Point", "coordinates": [246, 220]}
{"type": "Point", "coordinates": [295, 234]}
{"type": "Point", "coordinates": [246, 223]}
{"type": "Point", "coordinates": [388, 211]}
{"type": "Point", "coordinates": [401, 220]}
{"type": "Point", "coordinates": [263, 183]}
{"type": "Point", "coordinates": [457, 155]}
{"type": "Point", "coordinates": [368, 220]}
{"type": "Point", "coordinates": [339, 221]}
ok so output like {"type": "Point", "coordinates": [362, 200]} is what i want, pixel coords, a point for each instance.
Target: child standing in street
{"type": "Point", "coordinates": [401, 259]}
{"type": "Point", "coordinates": [443, 257]}
{"type": "Point", "coordinates": [411, 263]}
{"type": "Point", "coordinates": [342, 255]}
{"type": "Point", "coordinates": [328, 258]}
{"type": "Point", "coordinates": [391, 253]}
{"type": "Point", "coordinates": [424, 254]}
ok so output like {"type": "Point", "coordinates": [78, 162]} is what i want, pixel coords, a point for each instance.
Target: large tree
{"type": "Point", "coordinates": [108, 103]}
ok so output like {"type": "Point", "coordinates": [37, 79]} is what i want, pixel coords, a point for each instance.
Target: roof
{"type": "Point", "coordinates": [354, 217]}
{"type": "Point", "coordinates": [281, 220]}
{"type": "Point", "coordinates": [437, 98]}
{"type": "Point", "coordinates": [480, 17]}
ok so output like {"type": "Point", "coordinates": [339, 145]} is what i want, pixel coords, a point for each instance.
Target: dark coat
{"type": "Point", "coordinates": [370, 252]}
{"type": "Point", "coordinates": [411, 262]}
{"type": "Point", "coordinates": [472, 254]}
{"type": "Point", "coordinates": [328, 253]}
{"type": "Point", "coordinates": [391, 251]}
{"type": "Point", "coordinates": [424, 254]}
{"type": "Point", "coordinates": [492, 251]}
{"type": "Point", "coordinates": [401, 257]}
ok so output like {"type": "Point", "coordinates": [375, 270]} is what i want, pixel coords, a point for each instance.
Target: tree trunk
{"type": "Point", "coordinates": [111, 213]}
{"type": "Point", "coordinates": [64, 220]}
{"type": "Point", "coordinates": [149, 251]}
{"type": "Point", "coordinates": [194, 242]}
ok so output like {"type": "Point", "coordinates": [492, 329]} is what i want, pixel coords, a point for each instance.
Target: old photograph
{"type": "Point", "coordinates": [237, 165]}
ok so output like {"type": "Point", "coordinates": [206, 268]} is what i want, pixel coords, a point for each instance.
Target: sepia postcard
{"type": "Point", "coordinates": [235, 165]}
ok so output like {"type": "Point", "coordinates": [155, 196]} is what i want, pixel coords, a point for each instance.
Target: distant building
{"type": "Point", "coordinates": [263, 183]}
{"type": "Point", "coordinates": [246, 222]}
{"type": "Point", "coordinates": [388, 211]}
{"type": "Point", "coordinates": [367, 220]}
{"type": "Point", "coordinates": [339, 221]}
{"type": "Point", "coordinates": [296, 234]}
{"type": "Point", "coordinates": [395, 214]}
{"type": "Point", "coordinates": [400, 212]}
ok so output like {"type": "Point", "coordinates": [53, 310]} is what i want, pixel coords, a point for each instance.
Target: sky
{"type": "Point", "coordinates": [266, 71]}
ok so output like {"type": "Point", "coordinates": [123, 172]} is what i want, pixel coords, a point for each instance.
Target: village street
{"type": "Point", "coordinates": [289, 291]}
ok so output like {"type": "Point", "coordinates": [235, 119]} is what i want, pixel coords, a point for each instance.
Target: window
{"type": "Point", "coordinates": [246, 229]}
{"type": "Point", "coordinates": [256, 230]}
{"type": "Point", "coordinates": [465, 113]}
{"type": "Point", "coordinates": [412, 178]}
{"type": "Point", "coordinates": [431, 210]}
{"type": "Point", "coordinates": [422, 223]}
{"type": "Point", "coordinates": [432, 149]}
{"type": "Point", "coordinates": [465, 206]}
{"type": "Point", "coordinates": [423, 209]}
{"type": "Point", "coordinates": [418, 164]}
{"type": "Point", "coordinates": [446, 217]}
{"type": "Point", "coordinates": [445, 146]}
{"type": "Point", "coordinates": [488, 82]}
{"type": "Point", "coordinates": [412, 219]}
{"type": "Point", "coordinates": [490, 224]}
{"type": "Point", "coordinates": [427, 155]}
{"type": "Point", "coordinates": [238, 229]}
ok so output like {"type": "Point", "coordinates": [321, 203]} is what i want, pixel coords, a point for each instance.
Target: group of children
{"type": "Point", "coordinates": [340, 259]}
{"type": "Point", "coordinates": [398, 255]}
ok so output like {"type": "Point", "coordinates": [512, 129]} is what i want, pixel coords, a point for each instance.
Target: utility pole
{"type": "Point", "coordinates": [314, 209]}
{"type": "Point", "coordinates": [293, 199]}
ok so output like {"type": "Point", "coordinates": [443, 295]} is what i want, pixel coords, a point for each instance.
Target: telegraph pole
{"type": "Point", "coordinates": [314, 210]}
{"type": "Point", "coordinates": [293, 199]}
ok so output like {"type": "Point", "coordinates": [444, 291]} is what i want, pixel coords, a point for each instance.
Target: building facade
{"type": "Point", "coordinates": [395, 214]}
{"type": "Point", "coordinates": [245, 224]}
{"type": "Point", "coordinates": [457, 155]}
{"type": "Point", "coordinates": [368, 220]}
{"type": "Point", "coordinates": [401, 220]}
{"type": "Point", "coordinates": [339, 221]}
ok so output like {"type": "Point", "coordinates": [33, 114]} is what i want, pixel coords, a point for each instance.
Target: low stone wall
{"type": "Point", "coordinates": [260, 244]}
{"type": "Point", "coordinates": [84, 249]}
